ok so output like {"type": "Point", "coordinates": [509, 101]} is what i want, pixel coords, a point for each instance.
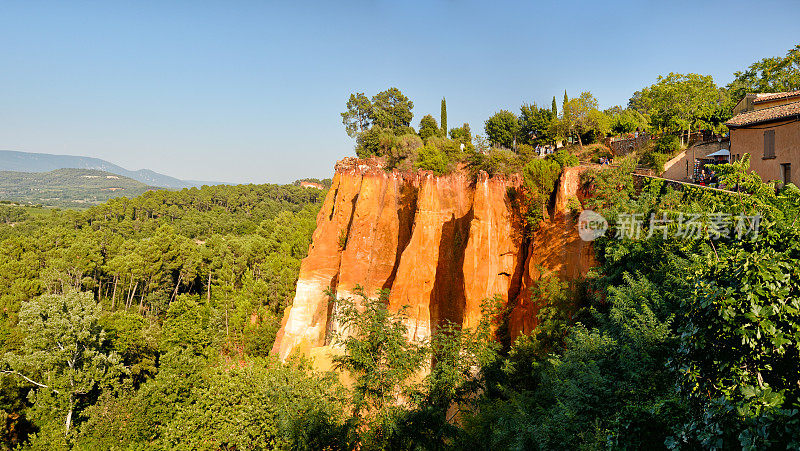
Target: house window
{"type": "Point", "coordinates": [769, 144]}
{"type": "Point", "coordinates": [786, 173]}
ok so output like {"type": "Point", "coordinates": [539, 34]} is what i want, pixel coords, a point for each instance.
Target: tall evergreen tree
{"type": "Point", "coordinates": [444, 116]}
{"type": "Point", "coordinates": [554, 107]}
{"type": "Point", "coordinates": [566, 99]}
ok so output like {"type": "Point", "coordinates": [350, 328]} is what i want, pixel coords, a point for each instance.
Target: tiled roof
{"type": "Point", "coordinates": [766, 115]}
{"type": "Point", "coordinates": [761, 98]}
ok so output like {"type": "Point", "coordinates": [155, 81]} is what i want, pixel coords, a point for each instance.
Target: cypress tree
{"type": "Point", "coordinates": [554, 107]}
{"type": "Point", "coordinates": [566, 99]}
{"type": "Point", "coordinates": [443, 119]}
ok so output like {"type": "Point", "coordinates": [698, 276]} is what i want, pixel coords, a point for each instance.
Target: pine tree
{"type": "Point", "coordinates": [443, 120]}
{"type": "Point", "coordinates": [555, 107]}
{"type": "Point", "coordinates": [566, 99]}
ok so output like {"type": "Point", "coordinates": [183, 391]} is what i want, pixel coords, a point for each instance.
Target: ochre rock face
{"type": "Point", "coordinates": [441, 244]}
{"type": "Point", "coordinates": [554, 247]}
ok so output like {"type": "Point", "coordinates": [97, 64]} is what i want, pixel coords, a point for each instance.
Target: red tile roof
{"type": "Point", "coordinates": [775, 113]}
{"type": "Point", "coordinates": [761, 98]}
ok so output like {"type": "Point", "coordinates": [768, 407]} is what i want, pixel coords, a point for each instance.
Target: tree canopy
{"type": "Point", "coordinates": [502, 128]}
{"type": "Point", "coordinates": [679, 102]}
{"type": "Point", "coordinates": [771, 74]}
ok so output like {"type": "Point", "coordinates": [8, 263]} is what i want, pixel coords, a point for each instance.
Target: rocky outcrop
{"type": "Point", "coordinates": [441, 244]}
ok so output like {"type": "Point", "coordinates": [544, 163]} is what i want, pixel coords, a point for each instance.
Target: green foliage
{"type": "Point", "coordinates": [667, 144]}
{"type": "Point", "coordinates": [535, 125]}
{"type": "Point", "coordinates": [772, 74]}
{"type": "Point", "coordinates": [428, 127]}
{"type": "Point", "coordinates": [373, 122]}
{"type": "Point", "coordinates": [377, 354]}
{"type": "Point", "coordinates": [580, 116]}
{"type": "Point", "coordinates": [391, 109]}
{"type": "Point", "coordinates": [385, 367]}
{"type": "Point", "coordinates": [655, 161]}
{"type": "Point", "coordinates": [740, 348]}
{"type": "Point", "coordinates": [431, 158]}
{"type": "Point", "coordinates": [325, 183]}
{"type": "Point", "coordinates": [64, 360]}
{"type": "Point", "coordinates": [136, 339]}
{"type": "Point", "coordinates": [613, 188]}
{"type": "Point", "coordinates": [379, 358]}
{"type": "Point", "coordinates": [626, 120]}
{"type": "Point", "coordinates": [663, 150]}
{"type": "Point", "coordinates": [540, 177]}
{"type": "Point", "coordinates": [176, 277]}
{"type": "Point", "coordinates": [502, 128]}
{"type": "Point", "coordinates": [11, 214]}
{"type": "Point", "coordinates": [257, 404]}
{"type": "Point", "coordinates": [443, 117]}
{"type": "Point", "coordinates": [368, 142]}
{"type": "Point", "coordinates": [461, 134]}
{"type": "Point", "coordinates": [574, 205]}
{"type": "Point", "coordinates": [564, 158]}
{"type": "Point", "coordinates": [358, 116]}
{"type": "Point", "coordinates": [683, 102]}
{"type": "Point", "coordinates": [598, 125]}
{"type": "Point", "coordinates": [495, 161]}
{"type": "Point", "coordinates": [254, 406]}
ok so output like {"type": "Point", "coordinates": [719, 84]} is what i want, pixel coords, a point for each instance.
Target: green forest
{"type": "Point", "coordinates": [147, 322]}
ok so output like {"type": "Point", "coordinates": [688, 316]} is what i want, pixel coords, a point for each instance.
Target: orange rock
{"type": "Point", "coordinates": [554, 247]}
{"type": "Point", "coordinates": [494, 253]}
{"type": "Point", "coordinates": [429, 281]}
{"type": "Point", "coordinates": [441, 244]}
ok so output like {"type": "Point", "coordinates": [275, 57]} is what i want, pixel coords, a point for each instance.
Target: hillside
{"type": "Point", "coordinates": [68, 188]}
{"type": "Point", "coordinates": [42, 162]}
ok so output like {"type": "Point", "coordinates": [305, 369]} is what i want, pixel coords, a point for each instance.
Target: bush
{"type": "Point", "coordinates": [428, 127]}
{"type": "Point", "coordinates": [540, 176]}
{"type": "Point", "coordinates": [668, 144]}
{"type": "Point", "coordinates": [526, 151]}
{"type": "Point", "coordinates": [656, 161]}
{"type": "Point", "coordinates": [564, 158]}
{"type": "Point", "coordinates": [368, 143]}
{"type": "Point", "coordinates": [403, 148]}
{"type": "Point", "coordinates": [430, 158]}
{"type": "Point", "coordinates": [404, 130]}
{"type": "Point", "coordinates": [449, 146]}
{"type": "Point", "coordinates": [496, 161]}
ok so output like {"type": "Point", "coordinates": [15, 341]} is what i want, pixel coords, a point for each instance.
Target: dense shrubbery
{"type": "Point", "coordinates": [659, 152]}
{"type": "Point", "coordinates": [430, 158]}
{"type": "Point", "coordinates": [667, 144]}
{"type": "Point", "coordinates": [540, 177]}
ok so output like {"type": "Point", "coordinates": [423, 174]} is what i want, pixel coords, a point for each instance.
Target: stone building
{"type": "Point", "coordinates": [767, 127]}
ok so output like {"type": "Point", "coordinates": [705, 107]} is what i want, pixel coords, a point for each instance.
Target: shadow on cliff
{"type": "Point", "coordinates": [448, 299]}
{"type": "Point", "coordinates": [406, 211]}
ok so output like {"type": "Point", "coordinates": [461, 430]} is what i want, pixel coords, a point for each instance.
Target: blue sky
{"type": "Point", "coordinates": [251, 91]}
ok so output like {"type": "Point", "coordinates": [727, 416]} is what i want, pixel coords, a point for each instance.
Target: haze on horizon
{"type": "Point", "coordinates": [248, 91]}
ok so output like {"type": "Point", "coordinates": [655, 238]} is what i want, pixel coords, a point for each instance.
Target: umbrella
{"type": "Point", "coordinates": [720, 153]}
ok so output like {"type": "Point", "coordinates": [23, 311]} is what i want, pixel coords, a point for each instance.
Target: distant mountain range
{"type": "Point", "coordinates": [68, 188]}
{"type": "Point", "coordinates": [43, 162]}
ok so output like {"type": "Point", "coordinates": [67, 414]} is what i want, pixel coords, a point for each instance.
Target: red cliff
{"type": "Point", "coordinates": [441, 244]}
